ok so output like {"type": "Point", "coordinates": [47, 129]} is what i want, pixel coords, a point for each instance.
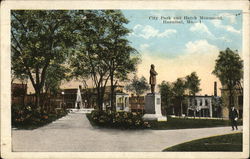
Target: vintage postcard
{"type": "Point", "coordinates": [125, 79]}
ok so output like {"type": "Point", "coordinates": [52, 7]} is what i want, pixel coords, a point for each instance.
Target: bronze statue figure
{"type": "Point", "coordinates": [152, 79]}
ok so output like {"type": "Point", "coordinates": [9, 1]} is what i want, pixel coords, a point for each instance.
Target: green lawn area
{"type": "Point", "coordinates": [229, 142]}
{"type": "Point", "coordinates": [185, 123]}
{"type": "Point", "coordinates": [182, 123]}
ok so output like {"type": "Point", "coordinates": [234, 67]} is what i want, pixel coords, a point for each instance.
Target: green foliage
{"type": "Point", "coordinates": [229, 69]}
{"type": "Point", "coordinates": [121, 120]}
{"type": "Point", "coordinates": [229, 142]}
{"type": "Point", "coordinates": [138, 86]}
{"type": "Point", "coordinates": [40, 39]}
{"type": "Point", "coordinates": [28, 118]}
{"type": "Point", "coordinates": [193, 83]}
{"type": "Point", "coordinates": [167, 95]}
{"type": "Point", "coordinates": [179, 87]}
{"type": "Point", "coordinates": [103, 52]}
{"type": "Point", "coordinates": [54, 77]}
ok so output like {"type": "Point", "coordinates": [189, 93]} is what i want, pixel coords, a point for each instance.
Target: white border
{"type": "Point", "coordinates": [6, 6]}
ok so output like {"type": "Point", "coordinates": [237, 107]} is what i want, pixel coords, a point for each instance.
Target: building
{"type": "Point", "coordinates": [237, 101]}
{"type": "Point", "coordinates": [136, 103]}
{"type": "Point", "coordinates": [200, 106]}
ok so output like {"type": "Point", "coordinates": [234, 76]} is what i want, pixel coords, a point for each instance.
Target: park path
{"type": "Point", "coordinates": [73, 133]}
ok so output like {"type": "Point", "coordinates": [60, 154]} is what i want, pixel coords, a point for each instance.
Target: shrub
{"type": "Point", "coordinates": [28, 118]}
{"type": "Point", "coordinates": [123, 120]}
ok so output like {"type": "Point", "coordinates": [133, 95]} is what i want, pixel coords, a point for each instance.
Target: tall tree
{"type": "Point", "coordinates": [91, 55]}
{"type": "Point", "coordinates": [193, 85]}
{"type": "Point", "coordinates": [138, 85]}
{"type": "Point", "coordinates": [39, 38]}
{"type": "Point", "coordinates": [166, 90]}
{"type": "Point", "coordinates": [179, 88]}
{"type": "Point", "coordinates": [229, 69]}
{"type": "Point", "coordinates": [105, 53]}
{"type": "Point", "coordinates": [120, 61]}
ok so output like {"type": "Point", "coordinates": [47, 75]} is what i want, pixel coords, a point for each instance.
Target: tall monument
{"type": "Point", "coordinates": [153, 100]}
{"type": "Point", "coordinates": [78, 103]}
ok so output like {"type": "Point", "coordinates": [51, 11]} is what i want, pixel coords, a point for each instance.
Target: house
{"type": "Point", "coordinates": [237, 100]}
{"type": "Point", "coordinates": [200, 106]}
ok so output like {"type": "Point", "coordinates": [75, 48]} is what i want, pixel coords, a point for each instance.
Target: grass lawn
{"type": "Point", "coordinates": [229, 142]}
{"type": "Point", "coordinates": [184, 123]}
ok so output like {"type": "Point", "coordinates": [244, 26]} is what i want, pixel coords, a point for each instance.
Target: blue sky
{"type": "Point", "coordinates": [220, 33]}
{"type": "Point", "coordinates": [176, 50]}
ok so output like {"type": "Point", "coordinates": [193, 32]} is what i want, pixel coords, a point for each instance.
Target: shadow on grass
{"type": "Point", "coordinates": [229, 142]}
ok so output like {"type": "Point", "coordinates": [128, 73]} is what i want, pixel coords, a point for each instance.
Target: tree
{"type": "Point", "coordinates": [91, 56]}
{"type": "Point", "coordinates": [229, 69]}
{"type": "Point", "coordinates": [179, 88]}
{"type": "Point", "coordinates": [54, 77]}
{"type": "Point", "coordinates": [166, 94]}
{"type": "Point", "coordinates": [107, 54]}
{"type": "Point", "coordinates": [39, 38]}
{"type": "Point", "coordinates": [193, 85]}
{"type": "Point", "coordinates": [138, 86]}
{"type": "Point", "coordinates": [119, 61]}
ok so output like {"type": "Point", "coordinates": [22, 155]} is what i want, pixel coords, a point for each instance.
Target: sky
{"type": "Point", "coordinates": [177, 48]}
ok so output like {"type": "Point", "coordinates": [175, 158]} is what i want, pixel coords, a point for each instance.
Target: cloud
{"type": "Point", "coordinates": [200, 46]}
{"type": "Point", "coordinates": [150, 32]}
{"type": "Point", "coordinates": [144, 47]}
{"type": "Point", "coordinates": [230, 17]}
{"type": "Point", "coordinates": [229, 28]}
{"type": "Point", "coordinates": [199, 56]}
{"type": "Point", "coordinates": [201, 28]}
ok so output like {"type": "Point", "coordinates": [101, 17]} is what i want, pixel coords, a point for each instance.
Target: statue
{"type": "Point", "coordinates": [152, 79]}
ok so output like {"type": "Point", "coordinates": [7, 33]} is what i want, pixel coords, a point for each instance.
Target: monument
{"type": "Point", "coordinates": [78, 103]}
{"type": "Point", "coordinates": [153, 100]}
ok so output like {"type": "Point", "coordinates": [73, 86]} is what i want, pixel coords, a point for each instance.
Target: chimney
{"type": "Point", "coordinates": [215, 89]}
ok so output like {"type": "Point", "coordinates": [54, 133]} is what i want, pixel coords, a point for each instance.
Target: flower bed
{"type": "Point", "coordinates": [121, 120]}
{"type": "Point", "coordinates": [27, 118]}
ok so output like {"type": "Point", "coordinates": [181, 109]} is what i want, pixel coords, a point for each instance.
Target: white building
{"type": "Point", "coordinates": [200, 106]}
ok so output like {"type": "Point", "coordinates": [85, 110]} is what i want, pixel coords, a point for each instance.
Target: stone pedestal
{"type": "Point", "coordinates": [153, 107]}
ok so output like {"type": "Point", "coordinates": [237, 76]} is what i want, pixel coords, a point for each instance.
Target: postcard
{"type": "Point", "coordinates": [124, 79]}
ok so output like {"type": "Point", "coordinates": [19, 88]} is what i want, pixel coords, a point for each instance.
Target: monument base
{"type": "Point", "coordinates": [152, 117]}
{"type": "Point", "coordinates": [153, 107]}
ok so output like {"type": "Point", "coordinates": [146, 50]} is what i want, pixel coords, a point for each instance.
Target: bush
{"type": "Point", "coordinates": [28, 118]}
{"type": "Point", "coordinates": [123, 120]}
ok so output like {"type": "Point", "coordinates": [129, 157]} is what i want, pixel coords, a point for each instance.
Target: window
{"type": "Point", "coordinates": [206, 102]}
{"type": "Point", "coordinates": [240, 100]}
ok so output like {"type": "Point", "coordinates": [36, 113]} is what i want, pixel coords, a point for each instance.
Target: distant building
{"type": "Point", "coordinates": [136, 103]}
{"type": "Point", "coordinates": [200, 106]}
{"type": "Point", "coordinates": [237, 101]}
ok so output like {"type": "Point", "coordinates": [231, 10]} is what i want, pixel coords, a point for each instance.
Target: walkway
{"type": "Point", "coordinates": [74, 133]}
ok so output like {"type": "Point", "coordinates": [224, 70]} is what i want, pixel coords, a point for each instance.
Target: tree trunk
{"type": "Point", "coordinates": [99, 100]}
{"type": "Point", "coordinates": [230, 98]}
{"type": "Point", "coordinates": [37, 103]}
{"type": "Point", "coordinates": [181, 108]}
{"type": "Point", "coordinates": [112, 90]}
